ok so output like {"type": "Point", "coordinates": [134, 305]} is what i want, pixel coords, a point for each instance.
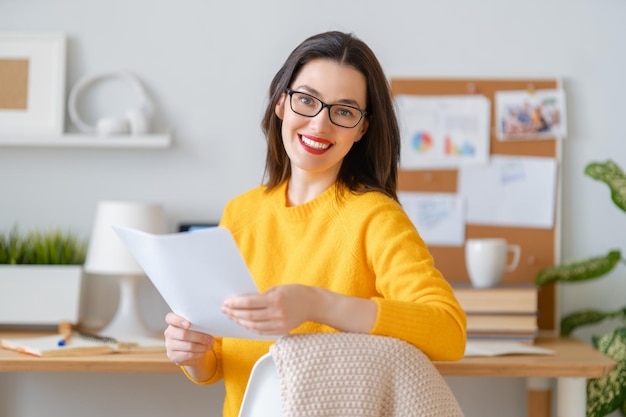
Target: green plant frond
{"type": "Point", "coordinates": [13, 246]}
{"type": "Point", "coordinates": [53, 247]}
{"type": "Point", "coordinates": [579, 270]}
{"type": "Point", "coordinates": [611, 174]}
{"type": "Point", "coordinates": [607, 394]}
{"type": "Point", "coordinates": [577, 319]}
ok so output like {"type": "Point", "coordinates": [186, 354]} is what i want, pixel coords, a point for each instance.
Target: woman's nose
{"type": "Point", "coordinates": [322, 120]}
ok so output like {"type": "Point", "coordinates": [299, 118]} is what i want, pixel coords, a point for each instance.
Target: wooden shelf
{"type": "Point", "coordinates": [73, 140]}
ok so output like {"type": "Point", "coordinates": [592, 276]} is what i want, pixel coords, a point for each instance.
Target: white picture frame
{"type": "Point", "coordinates": [44, 70]}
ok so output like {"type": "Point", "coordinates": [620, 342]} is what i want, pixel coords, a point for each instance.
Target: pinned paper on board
{"type": "Point", "coordinates": [438, 217]}
{"type": "Point", "coordinates": [443, 131]}
{"type": "Point", "coordinates": [510, 191]}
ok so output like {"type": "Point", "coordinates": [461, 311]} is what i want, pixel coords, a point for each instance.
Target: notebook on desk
{"type": "Point", "coordinates": [51, 346]}
{"type": "Point", "coordinates": [80, 344]}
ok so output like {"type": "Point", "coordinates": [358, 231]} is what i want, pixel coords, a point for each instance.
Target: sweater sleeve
{"type": "Point", "coordinates": [437, 331]}
{"type": "Point", "coordinates": [214, 363]}
{"type": "Point", "coordinates": [416, 303]}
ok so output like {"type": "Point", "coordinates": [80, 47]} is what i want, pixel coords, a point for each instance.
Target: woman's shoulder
{"type": "Point", "coordinates": [369, 206]}
{"type": "Point", "coordinates": [252, 194]}
{"type": "Point", "coordinates": [375, 212]}
{"type": "Point", "coordinates": [256, 198]}
{"type": "Point", "coordinates": [242, 208]}
{"type": "Point", "coordinates": [374, 200]}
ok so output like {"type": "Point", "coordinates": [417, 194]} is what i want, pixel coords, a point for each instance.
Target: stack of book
{"type": "Point", "coordinates": [501, 313]}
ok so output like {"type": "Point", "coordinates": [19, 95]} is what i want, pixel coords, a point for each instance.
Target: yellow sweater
{"type": "Point", "coordinates": [361, 245]}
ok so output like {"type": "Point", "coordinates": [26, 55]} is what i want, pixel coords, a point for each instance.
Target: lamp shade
{"type": "Point", "coordinates": [106, 253]}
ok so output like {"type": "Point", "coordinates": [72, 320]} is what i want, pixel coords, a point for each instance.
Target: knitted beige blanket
{"type": "Point", "coordinates": [348, 374]}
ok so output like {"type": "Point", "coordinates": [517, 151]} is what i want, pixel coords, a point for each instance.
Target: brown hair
{"type": "Point", "coordinates": [372, 162]}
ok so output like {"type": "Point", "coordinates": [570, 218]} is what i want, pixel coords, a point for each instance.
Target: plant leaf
{"type": "Point", "coordinates": [579, 270]}
{"type": "Point", "coordinates": [611, 174]}
{"type": "Point", "coordinates": [585, 317]}
{"type": "Point", "coordinates": [607, 394]}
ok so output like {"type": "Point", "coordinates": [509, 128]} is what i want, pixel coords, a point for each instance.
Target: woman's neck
{"type": "Point", "coordinates": [304, 187]}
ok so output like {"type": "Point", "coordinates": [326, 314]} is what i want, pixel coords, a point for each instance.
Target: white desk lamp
{"type": "Point", "coordinates": [107, 255]}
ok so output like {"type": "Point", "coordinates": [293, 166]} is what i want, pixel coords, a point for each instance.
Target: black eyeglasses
{"type": "Point", "coordinates": [340, 114]}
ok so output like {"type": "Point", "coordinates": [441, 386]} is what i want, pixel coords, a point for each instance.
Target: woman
{"type": "Point", "coordinates": [325, 239]}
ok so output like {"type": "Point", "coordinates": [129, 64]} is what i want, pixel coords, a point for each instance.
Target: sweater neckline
{"type": "Point", "coordinates": [306, 210]}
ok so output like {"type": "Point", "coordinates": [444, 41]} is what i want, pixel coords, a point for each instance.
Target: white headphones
{"type": "Point", "coordinates": [136, 121]}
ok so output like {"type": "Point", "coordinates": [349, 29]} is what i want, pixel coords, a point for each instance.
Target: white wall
{"type": "Point", "coordinates": [208, 65]}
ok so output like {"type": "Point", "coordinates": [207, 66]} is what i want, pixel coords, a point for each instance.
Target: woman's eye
{"type": "Point", "coordinates": [345, 112]}
{"type": "Point", "coordinates": [306, 100]}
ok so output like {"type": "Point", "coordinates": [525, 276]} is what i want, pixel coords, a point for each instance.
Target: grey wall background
{"type": "Point", "coordinates": [208, 65]}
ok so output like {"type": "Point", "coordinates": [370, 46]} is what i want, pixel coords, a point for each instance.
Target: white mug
{"type": "Point", "coordinates": [486, 260]}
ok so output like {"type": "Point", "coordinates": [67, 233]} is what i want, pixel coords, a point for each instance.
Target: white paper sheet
{"type": "Point", "coordinates": [498, 348]}
{"type": "Point", "coordinates": [194, 272]}
{"type": "Point", "coordinates": [438, 217]}
{"type": "Point", "coordinates": [510, 191]}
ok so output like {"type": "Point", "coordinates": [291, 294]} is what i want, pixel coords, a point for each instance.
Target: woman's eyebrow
{"type": "Point", "coordinates": [316, 93]}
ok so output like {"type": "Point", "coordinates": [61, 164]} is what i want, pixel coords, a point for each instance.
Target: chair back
{"type": "Point", "coordinates": [262, 397]}
{"type": "Point", "coordinates": [336, 374]}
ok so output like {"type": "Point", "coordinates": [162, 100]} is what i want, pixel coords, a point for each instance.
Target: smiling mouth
{"type": "Point", "coordinates": [320, 146]}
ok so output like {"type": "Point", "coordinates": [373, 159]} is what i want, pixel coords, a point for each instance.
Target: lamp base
{"type": "Point", "coordinates": [127, 324]}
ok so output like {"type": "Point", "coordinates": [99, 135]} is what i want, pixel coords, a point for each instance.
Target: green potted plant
{"type": "Point", "coordinates": [40, 277]}
{"type": "Point", "coordinates": [608, 394]}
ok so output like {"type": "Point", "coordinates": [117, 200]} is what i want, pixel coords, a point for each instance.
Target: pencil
{"type": "Point", "coordinates": [65, 329]}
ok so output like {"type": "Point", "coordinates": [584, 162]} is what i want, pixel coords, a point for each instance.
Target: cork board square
{"type": "Point", "coordinates": [13, 84]}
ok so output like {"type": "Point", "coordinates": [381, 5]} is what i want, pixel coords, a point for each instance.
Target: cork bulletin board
{"type": "Point", "coordinates": [539, 246]}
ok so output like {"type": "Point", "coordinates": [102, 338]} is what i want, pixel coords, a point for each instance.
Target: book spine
{"type": "Point", "coordinates": [502, 322]}
{"type": "Point", "coordinates": [497, 300]}
{"type": "Point", "coordinates": [528, 337]}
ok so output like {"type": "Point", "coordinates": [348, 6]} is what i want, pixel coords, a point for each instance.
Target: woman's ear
{"type": "Point", "coordinates": [279, 109]}
{"type": "Point", "coordinates": [363, 129]}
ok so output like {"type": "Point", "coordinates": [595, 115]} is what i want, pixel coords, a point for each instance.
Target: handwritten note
{"type": "Point", "coordinates": [510, 191]}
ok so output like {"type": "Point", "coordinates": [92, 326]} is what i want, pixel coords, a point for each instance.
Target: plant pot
{"type": "Point", "coordinates": [39, 294]}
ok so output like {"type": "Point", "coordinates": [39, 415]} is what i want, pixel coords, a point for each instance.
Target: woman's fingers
{"type": "Point", "coordinates": [184, 346]}
{"type": "Point", "coordinates": [176, 320]}
{"type": "Point", "coordinates": [277, 311]}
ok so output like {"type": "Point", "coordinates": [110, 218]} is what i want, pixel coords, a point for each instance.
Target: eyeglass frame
{"type": "Point", "coordinates": [362, 112]}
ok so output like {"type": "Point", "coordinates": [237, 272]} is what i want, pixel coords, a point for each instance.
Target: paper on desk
{"type": "Point", "coordinates": [498, 348]}
{"type": "Point", "coordinates": [194, 272]}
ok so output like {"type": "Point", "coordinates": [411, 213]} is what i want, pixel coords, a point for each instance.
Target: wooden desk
{"type": "Point", "coordinates": [572, 363]}
{"type": "Point", "coordinates": [572, 359]}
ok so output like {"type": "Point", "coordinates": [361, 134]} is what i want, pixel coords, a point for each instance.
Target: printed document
{"type": "Point", "coordinates": [195, 272]}
{"type": "Point", "coordinates": [443, 131]}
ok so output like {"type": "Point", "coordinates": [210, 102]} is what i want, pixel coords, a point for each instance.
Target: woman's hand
{"type": "Point", "coordinates": [283, 308]}
{"type": "Point", "coordinates": [186, 347]}
{"type": "Point", "coordinates": [275, 312]}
